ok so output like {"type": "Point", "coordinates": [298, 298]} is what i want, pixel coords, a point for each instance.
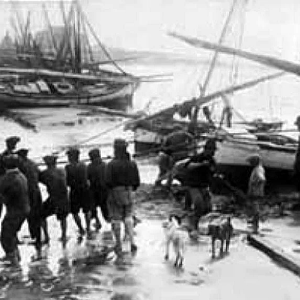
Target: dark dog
{"type": "Point", "coordinates": [220, 229]}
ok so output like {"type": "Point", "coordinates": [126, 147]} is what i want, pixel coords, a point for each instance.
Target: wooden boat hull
{"type": "Point", "coordinates": [117, 97]}
{"type": "Point", "coordinates": [232, 152]}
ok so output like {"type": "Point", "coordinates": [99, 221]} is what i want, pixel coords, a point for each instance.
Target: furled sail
{"type": "Point", "coordinates": [266, 60]}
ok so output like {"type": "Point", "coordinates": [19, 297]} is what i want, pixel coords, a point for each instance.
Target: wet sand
{"type": "Point", "coordinates": [82, 269]}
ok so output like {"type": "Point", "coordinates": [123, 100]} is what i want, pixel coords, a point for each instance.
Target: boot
{"type": "Point", "coordinates": [116, 228]}
{"type": "Point", "coordinates": [129, 232]}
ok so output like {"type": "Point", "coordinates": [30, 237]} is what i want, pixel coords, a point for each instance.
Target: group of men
{"type": "Point", "coordinates": [180, 160]}
{"type": "Point", "coordinates": [74, 188]}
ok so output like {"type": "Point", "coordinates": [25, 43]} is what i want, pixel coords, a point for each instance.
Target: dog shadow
{"type": "Point", "coordinates": [173, 269]}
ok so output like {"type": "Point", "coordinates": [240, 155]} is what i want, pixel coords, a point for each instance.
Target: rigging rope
{"type": "Point", "coordinates": [100, 43]}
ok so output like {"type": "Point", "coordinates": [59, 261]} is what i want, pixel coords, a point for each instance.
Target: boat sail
{"type": "Point", "coordinates": [58, 67]}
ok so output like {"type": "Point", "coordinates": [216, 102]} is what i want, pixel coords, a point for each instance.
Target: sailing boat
{"type": "Point", "coordinates": [151, 132]}
{"type": "Point", "coordinates": [234, 145]}
{"type": "Point", "coordinates": [64, 72]}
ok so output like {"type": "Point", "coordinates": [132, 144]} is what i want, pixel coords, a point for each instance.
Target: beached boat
{"type": "Point", "coordinates": [47, 91]}
{"type": "Point", "coordinates": [234, 145]}
{"type": "Point", "coordinates": [58, 67]}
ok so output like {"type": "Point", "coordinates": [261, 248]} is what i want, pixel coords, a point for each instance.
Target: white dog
{"type": "Point", "coordinates": [177, 237]}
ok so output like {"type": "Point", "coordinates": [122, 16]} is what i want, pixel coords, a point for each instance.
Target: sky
{"type": "Point", "coordinates": [271, 26]}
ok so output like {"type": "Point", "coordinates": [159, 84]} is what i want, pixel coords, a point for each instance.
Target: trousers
{"type": "Point", "coordinates": [11, 224]}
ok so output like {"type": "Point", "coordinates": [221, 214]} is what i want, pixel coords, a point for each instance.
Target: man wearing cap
{"type": "Point", "coordinates": [98, 188]}
{"type": "Point", "coordinates": [256, 187]}
{"type": "Point", "coordinates": [57, 203]}
{"type": "Point", "coordinates": [297, 161]}
{"type": "Point", "coordinates": [31, 172]}
{"type": "Point", "coordinates": [79, 189]}
{"type": "Point", "coordinates": [122, 177]}
{"type": "Point", "coordinates": [200, 169]}
{"type": "Point", "coordinates": [14, 190]}
{"type": "Point", "coordinates": [11, 143]}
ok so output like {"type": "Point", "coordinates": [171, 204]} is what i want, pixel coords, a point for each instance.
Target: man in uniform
{"type": "Point", "coordinates": [122, 177]}
{"type": "Point", "coordinates": [200, 170]}
{"type": "Point", "coordinates": [14, 192]}
{"type": "Point", "coordinates": [98, 188]}
{"type": "Point", "coordinates": [79, 189]}
{"type": "Point", "coordinates": [57, 203]}
{"type": "Point", "coordinates": [31, 172]}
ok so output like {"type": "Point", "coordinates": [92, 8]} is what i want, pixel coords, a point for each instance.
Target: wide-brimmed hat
{"type": "Point", "coordinates": [13, 140]}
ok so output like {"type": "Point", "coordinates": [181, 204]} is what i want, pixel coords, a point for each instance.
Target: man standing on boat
{"type": "Point", "coordinates": [122, 177]}
{"type": "Point", "coordinates": [31, 172]}
{"type": "Point", "coordinates": [14, 192]}
{"type": "Point", "coordinates": [200, 170]}
{"type": "Point", "coordinates": [96, 176]}
{"type": "Point", "coordinates": [79, 189]}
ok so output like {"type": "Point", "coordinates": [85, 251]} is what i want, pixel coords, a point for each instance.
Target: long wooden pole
{"type": "Point", "coordinates": [214, 60]}
{"type": "Point", "coordinates": [201, 101]}
{"type": "Point", "coordinates": [283, 65]}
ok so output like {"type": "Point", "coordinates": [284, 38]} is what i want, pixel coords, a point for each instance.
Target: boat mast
{"type": "Point", "coordinates": [49, 26]}
{"type": "Point", "coordinates": [213, 62]}
{"type": "Point", "coordinates": [65, 48]}
{"type": "Point", "coordinates": [102, 47]}
{"type": "Point", "coordinates": [88, 49]}
{"type": "Point", "coordinates": [78, 49]}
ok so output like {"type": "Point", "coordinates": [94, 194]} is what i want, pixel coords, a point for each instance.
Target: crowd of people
{"type": "Point", "coordinates": [107, 187]}
{"type": "Point", "coordinates": [76, 187]}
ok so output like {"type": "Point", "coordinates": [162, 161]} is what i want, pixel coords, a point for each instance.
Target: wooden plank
{"type": "Point", "coordinates": [109, 111]}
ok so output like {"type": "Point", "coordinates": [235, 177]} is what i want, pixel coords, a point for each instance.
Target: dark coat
{"type": "Point", "coordinates": [96, 173]}
{"type": "Point", "coordinates": [76, 175]}
{"type": "Point", "coordinates": [14, 189]}
{"type": "Point", "coordinates": [55, 181]}
{"type": "Point", "coordinates": [122, 172]}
